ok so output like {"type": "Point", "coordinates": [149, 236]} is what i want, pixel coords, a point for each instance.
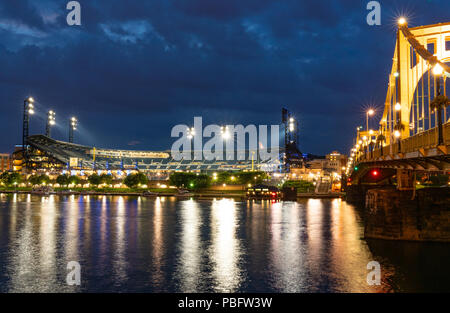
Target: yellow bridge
{"type": "Point", "coordinates": [414, 131]}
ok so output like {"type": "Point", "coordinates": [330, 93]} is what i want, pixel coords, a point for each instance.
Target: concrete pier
{"type": "Point", "coordinates": [400, 215]}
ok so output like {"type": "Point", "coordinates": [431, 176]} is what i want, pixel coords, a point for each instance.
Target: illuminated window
{"type": "Point", "coordinates": [431, 46]}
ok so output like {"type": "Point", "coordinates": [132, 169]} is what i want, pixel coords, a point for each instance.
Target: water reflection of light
{"type": "Point", "coordinates": [103, 221]}
{"type": "Point", "coordinates": [158, 241]}
{"type": "Point", "coordinates": [119, 263]}
{"type": "Point", "coordinates": [72, 235]}
{"type": "Point", "coordinates": [286, 251]}
{"type": "Point", "coordinates": [348, 256]}
{"type": "Point", "coordinates": [190, 246]}
{"type": "Point", "coordinates": [226, 248]}
{"type": "Point", "coordinates": [314, 214]}
{"type": "Point", "coordinates": [23, 258]}
{"type": "Point", "coordinates": [314, 225]}
{"type": "Point", "coordinates": [47, 238]}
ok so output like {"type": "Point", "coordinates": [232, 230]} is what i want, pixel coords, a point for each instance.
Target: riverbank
{"type": "Point", "coordinates": [169, 193]}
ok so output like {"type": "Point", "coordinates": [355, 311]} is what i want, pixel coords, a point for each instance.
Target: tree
{"type": "Point", "coordinates": [62, 180]}
{"type": "Point", "coordinates": [3, 177]}
{"type": "Point", "coordinates": [74, 180]}
{"type": "Point", "coordinates": [190, 180]}
{"type": "Point", "coordinates": [10, 179]}
{"type": "Point", "coordinates": [255, 177]}
{"type": "Point", "coordinates": [34, 180]}
{"type": "Point", "coordinates": [178, 179]}
{"type": "Point", "coordinates": [134, 180]}
{"type": "Point", "coordinates": [94, 179]}
{"type": "Point", "coordinates": [302, 186]}
{"type": "Point", "coordinates": [106, 179]}
{"type": "Point", "coordinates": [439, 103]}
{"type": "Point", "coordinates": [224, 177]}
{"type": "Point", "coordinates": [44, 179]}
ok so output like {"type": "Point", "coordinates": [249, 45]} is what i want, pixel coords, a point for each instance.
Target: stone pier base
{"type": "Point", "coordinates": [393, 214]}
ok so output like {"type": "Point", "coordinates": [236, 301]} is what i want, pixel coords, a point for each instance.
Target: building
{"type": "Point", "coordinates": [5, 162]}
{"type": "Point", "coordinates": [46, 155]}
{"type": "Point", "coordinates": [335, 162]}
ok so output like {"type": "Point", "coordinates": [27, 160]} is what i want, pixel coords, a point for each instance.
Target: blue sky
{"type": "Point", "coordinates": [135, 68]}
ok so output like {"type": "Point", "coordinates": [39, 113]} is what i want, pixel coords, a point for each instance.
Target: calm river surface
{"type": "Point", "coordinates": [137, 244]}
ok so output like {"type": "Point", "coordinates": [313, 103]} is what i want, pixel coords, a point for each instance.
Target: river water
{"type": "Point", "coordinates": [138, 244]}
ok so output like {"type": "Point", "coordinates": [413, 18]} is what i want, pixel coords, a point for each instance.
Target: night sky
{"type": "Point", "coordinates": [136, 68]}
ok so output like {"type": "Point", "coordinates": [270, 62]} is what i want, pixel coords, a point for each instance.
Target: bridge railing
{"type": "Point", "coordinates": [423, 140]}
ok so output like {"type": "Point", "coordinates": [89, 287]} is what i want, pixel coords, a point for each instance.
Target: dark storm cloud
{"type": "Point", "coordinates": [136, 68]}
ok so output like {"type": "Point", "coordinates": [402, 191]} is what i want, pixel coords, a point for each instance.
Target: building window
{"type": "Point", "coordinates": [447, 43]}
{"type": "Point", "coordinates": [431, 46]}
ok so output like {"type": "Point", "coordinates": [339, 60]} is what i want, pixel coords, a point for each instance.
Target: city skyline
{"type": "Point", "coordinates": [132, 71]}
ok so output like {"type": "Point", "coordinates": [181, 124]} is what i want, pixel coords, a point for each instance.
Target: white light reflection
{"type": "Point", "coordinates": [72, 232]}
{"type": "Point", "coordinates": [189, 270]}
{"type": "Point", "coordinates": [119, 261]}
{"type": "Point", "coordinates": [158, 252]}
{"type": "Point", "coordinates": [226, 248]}
{"type": "Point", "coordinates": [47, 240]}
{"type": "Point", "coordinates": [23, 258]}
{"type": "Point", "coordinates": [286, 250]}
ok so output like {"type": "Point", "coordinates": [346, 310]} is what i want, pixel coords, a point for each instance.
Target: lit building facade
{"type": "Point", "coordinates": [335, 162]}
{"type": "Point", "coordinates": [5, 162]}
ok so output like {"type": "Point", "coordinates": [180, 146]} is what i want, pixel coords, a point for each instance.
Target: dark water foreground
{"type": "Point", "coordinates": [135, 244]}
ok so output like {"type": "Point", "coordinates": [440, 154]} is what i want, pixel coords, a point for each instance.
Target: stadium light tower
{"type": "Point", "coordinates": [28, 109]}
{"type": "Point", "coordinates": [225, 132]}
{"type": "Point", "coordinates": [73, 126]}
{"type": "Point", "coordinates": [50, 122]}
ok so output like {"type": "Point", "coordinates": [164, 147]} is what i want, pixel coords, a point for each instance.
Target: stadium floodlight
{"type": "Point", "coordinates": [190, 132]}
{"type": "Point", "coordinates": [73, 126]}
{"type": "Point", "coordinates": [51, 120]}
{"type": "Point", "coordinates": [28, 109]}
{"type": "Point", "coordinates": [225, 132]}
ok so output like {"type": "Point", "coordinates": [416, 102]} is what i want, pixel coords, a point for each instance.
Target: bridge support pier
{"type": "Point", "coordinates": [406, 179]}
{"type": "Point", "coordinates": [391, 214]}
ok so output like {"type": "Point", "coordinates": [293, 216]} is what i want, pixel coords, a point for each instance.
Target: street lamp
{"type": "Point", "coordinates": [369, 112]}
{"type": "Point", "coordinates": [73, 126]}
{"type": "Point", "coordinates": [51, 120]}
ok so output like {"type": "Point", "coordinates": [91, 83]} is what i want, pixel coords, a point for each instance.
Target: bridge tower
{"type": "Point", "coordinates": [412, 83]}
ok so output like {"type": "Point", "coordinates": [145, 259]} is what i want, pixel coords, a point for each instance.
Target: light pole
{"type": "Point", "coordinates": [369, 112]}
{"type": "Point", "coordinates": [190, 135]}
{"type": "Point", "coordinates": [73, 126]}
{"type": "Point", "coordinates": [28, 109]}
{"type": "Point", "coordinates": [438, 71]}
{"type": "Point", "coordinates": [50, 122]}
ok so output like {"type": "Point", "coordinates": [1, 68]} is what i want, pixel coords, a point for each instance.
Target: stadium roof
{"type": "Point", "coordinates": [80, 156]}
